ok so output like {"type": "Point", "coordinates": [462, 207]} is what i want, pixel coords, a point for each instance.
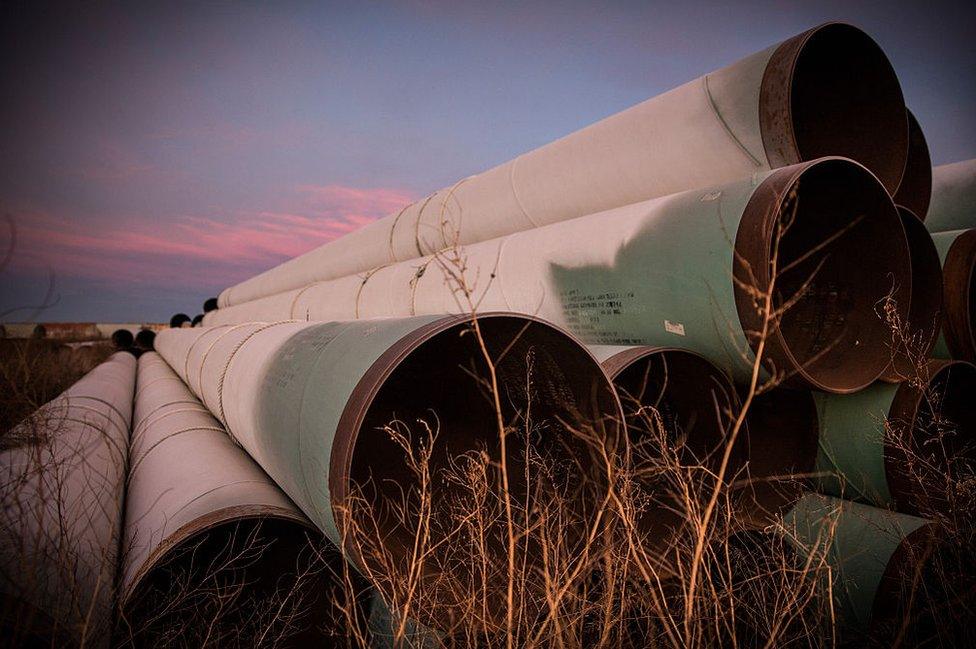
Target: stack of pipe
{"type": "Point", "coordinates": [766, 223]}
{"type": "Point", "coordinates": [63, 473]}
{"type": "Point", "coordinates": [200, 513]}
{"type": "Point", "coordinates": [312, 403]}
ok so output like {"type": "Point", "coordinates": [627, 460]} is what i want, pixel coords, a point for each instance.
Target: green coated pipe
{"type": "Point", "coordinates": [900, 446]}
{"type": "Point", "coordinates": [953, 205]}
{"type": "Point", "coordinates": [869, 551]}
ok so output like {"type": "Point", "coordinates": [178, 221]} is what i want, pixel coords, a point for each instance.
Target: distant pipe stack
{"type": "Point", "coordinates": [953, 205]}
{"type": "Point", "coordinates": [901, 446]}
{"type": "Point", "coordinates": [689, 270]}
{"type": "Point", "coordinates": [827, 91]}
{"type": "Point", "coordinates": [201, 514]}
{"type": "Point", "coordinates": [62, 477]}
{"type": "Point", "coordinates": [314, 403]}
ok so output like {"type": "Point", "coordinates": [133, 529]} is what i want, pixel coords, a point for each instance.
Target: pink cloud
{"type": "Point", "coordinates": [199, 250]}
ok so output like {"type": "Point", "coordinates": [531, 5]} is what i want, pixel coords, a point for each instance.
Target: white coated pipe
{"type": "Point", "coordinates": [660, 273]}
{"type": "Point", "coordinates": [195, 499]}
{"type": "Point", "coordinates": [62, 490]}
{"type": "Point", "coordinates": [827, 91]}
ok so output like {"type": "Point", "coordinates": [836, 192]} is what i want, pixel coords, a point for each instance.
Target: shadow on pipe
{"type": "Point", "coordinates": [915, 189]}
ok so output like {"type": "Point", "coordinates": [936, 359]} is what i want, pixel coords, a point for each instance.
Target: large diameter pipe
{"type": "Point", "coordinates": [686, 270]}
{"type": "Point", "coordinates": [915, 189]}
{"type": "Point", "coordinates": [313, 403]}
{"type": "Point", "coordinates": [901, 446]}
{"type": "Point", "coordinates": [62, 488]}
{"type": "Point", "coordinates": [200, 512]}
{"type": "Point", "coordinates": [873, 556]}
{"type": "Point", "coordinates": [953, 205]}
{"type": "Point", "coordinates": [695, 405]}
{"type": "Point", "coordinates": [914, 338]}
{"type": "Point", "coordinates": [957, 252]}
{"type": "Point", "coordinates": [827, 91]}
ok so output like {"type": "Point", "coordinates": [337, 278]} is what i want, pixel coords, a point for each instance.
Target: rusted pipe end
{"type": "Point", "coordinates": [782, 444]}
{"type": "Point", "coordinates": [923, 592]}
{"type": "Point", "coordinates": [270, 554]}
{"type": "Point", "coordinates": [839, 251]}
{"type": "Point", "coordinates": [915, 189]}
{"type": "Point", "coordinates": [832, 91]}
{"type": "Point", "coordinates": [913, 340]}
{"type": "Point", "coordinates": [675, 397]}
{"type": "Point", "coordinates": [436, 377]}
{"type": "Point", "coordinates": [959, 297]}
{"type": "Point", "coordinates": [930, 438]}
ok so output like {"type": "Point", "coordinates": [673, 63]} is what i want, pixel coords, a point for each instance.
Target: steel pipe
{"type": "Point", "coordinates": [957, 252]}
{"type": "Point", "coordinates": [900, 446]}
{"type": "Point", "coordinates": [61, 492]}
{"type": "Point", "coordinates": [200, 512]}
{"type": "Point", "coordinates": [915, 189]}
{"type": "Point", "coordinates": [827, 91]}
{"type": "Point", "coordinates": [914, 338]}
{"type": "Point", "coordinates": [695, 402]}
{"type": "Point", "coordinates": [870, 552]}
{"type": "Point", "coordinates": [313, 403]}
{"type": "Point", "coordinates": [953, 205]}
{"type": "Point", "coordinates": [660, 273]}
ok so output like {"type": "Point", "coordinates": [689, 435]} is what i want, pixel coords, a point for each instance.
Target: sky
{"type": "Point", "coordinates": [153, 154]}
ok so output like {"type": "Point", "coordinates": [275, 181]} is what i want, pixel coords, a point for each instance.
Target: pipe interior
{"type": "Point", "coordinates": [926, 294]}
{"type": "Point", "coordinates": [842, 251]}
{"type": "Point", "coordinates": [694, 400]}
{"type": "Point", "coordinates": [945, 428]}
{"type": "Point", "coordinates": [845, 100]}
{"type": "Point", "coordinates": [782, 445]}
{"type": "Point", "coordinates": [250, 564]}
{"type": "Point", "coordinates": [544, 378]}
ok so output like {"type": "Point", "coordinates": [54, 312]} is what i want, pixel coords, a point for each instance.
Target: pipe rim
{"type": "Point", "coordinates": [878, 130]}
{"type": "Point", "coordinates": [353, 416]}
{"type": "Point", "coordinates": [959, 295]}
{"type": "Point", "coordinates": [853, 292]}
{"type": "Point", "coordinates": [915, 189]}
{"type": "Point", "coordinates": [203, 525]}
{"type": "Point", "coordinates": [925, 305]}
{"type": "Point", "coordinates": [907, 433]}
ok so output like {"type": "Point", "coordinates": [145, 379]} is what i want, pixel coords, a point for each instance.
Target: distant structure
{"type": "Point", "coordinates": [73, 331]}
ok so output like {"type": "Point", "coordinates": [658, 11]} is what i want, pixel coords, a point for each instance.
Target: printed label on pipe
{"type": "Point", "coordinates": [674, 328]}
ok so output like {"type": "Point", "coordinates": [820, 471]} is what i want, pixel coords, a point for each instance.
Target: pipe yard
{"type": "Point", "coordinates": [702, 373]}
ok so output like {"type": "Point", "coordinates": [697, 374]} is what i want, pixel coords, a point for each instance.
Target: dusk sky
{"type": "Point", "coordinates": [153, 156]}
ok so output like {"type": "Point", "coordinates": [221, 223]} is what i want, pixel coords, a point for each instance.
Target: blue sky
{"type": "Point", "coordinates": [155, 154]}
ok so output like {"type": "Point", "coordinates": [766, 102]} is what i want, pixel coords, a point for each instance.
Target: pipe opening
{"type": "Point", "coordinates": [959, 297]}
{"type": "Point", "coordinates": [931, 445]}
{"type": "Point", "coordinates": [841, 253]}
{"type": "Point", "coordinates": [438, 380]}
{"type": "Point", "coordinates": [919, 596]}
{"type": "Point", "coordinates": [912, 341]}
{"type": "Point", "coordinates": [845, 100]}
{"type": "Point", "coordinates": [673, 398]}
{"type": "Point", "coordinates": [229, 581]}
{"type": "Point", "coordinates": [783, 432]}
{"type": "Point", "coordinates": [915, 189]}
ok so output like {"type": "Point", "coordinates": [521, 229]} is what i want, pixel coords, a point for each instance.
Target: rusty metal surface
{"type": "Point", "coordinates": [959, 296]}
{"type": "Point", "coordinates": [915, 189]}
{"type": "Point", "coordinates": [915, 337]}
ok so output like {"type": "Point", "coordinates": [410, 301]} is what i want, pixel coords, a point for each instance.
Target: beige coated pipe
{"type": "Point", "coordinates": [827, 91]}
{"type": "Point", "coordinates": [61, 492]}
